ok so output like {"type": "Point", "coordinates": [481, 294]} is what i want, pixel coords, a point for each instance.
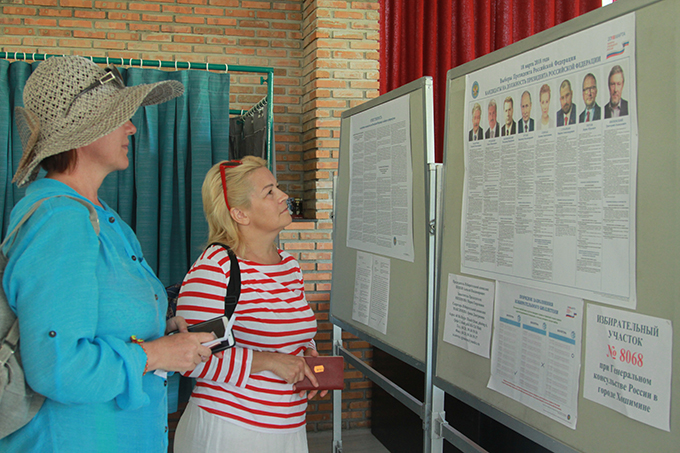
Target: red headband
{"type": "Point", "coordinates": [223, 166]}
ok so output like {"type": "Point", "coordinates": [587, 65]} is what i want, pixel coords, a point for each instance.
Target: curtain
{"type": "Point", "coordinates": [429, 37]}
{"type": "Point", "coordinates": [13, 76]}
{"type": "Point", "coordinates": [159, 194]}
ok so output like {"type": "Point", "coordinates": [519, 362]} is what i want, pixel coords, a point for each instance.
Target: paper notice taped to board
{"type": "Point", "coordinates": [628, 364]}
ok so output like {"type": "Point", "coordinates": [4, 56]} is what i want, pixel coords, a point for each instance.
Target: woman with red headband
{"type": "Point", "coordinates": [245, 400]}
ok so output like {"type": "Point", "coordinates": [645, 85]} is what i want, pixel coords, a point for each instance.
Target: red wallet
{"type": "Point", "coordinates": [329, 371]}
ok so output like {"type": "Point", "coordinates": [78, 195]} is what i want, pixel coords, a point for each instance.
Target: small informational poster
{"type": "Point", "coordinates": [372, 291]}
{"type": "Point", "coordinates": [469, 311]}
{"type": "Point", "coordinates": [536, 352]}
{"type": "Point", "coordinates": [628, 364]}
{"type": "Point", "coordinates": [380, 205]}
{"type": "Point", "coordinates": [551, 145]}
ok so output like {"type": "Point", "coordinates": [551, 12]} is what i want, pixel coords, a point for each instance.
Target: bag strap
{"type": "Point", "coordinates": [94, 218]}
{"type": "Point", "coordinates": [11, 340]}
{"type": "Point", "coordinates": [234, 286]}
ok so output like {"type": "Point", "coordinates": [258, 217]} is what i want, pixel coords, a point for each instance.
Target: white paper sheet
{"type": "Point", "coordinates": [380, 202]}
{"type": "Point", "coordinates": [469, 311]}
{"type": "Point", "coordinates": [628, 364]}
{"type": "Point", "coordinates": [555, 209]}
{"type": "Point", "coordinates": [372, 291]}
{"type": "Point", "coordinates": [536, 352]}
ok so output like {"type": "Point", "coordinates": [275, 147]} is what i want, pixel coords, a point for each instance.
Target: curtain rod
{"type": "Point", "coordinates": [144, 63]}
{"type": "Point", "coordinates": [180, 65]}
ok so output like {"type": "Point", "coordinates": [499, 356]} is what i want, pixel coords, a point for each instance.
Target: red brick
{"type": "Point", "coordinates": [110, 25]}
{"type": "Point", "coordinates": [41, 2]}
{"type": "Point", "coordinates": [257, 5]}
{"type": "Point", "coordinates": [47, 12]}
{"type": "Point", "coordinates": [173, 9]}
{"type": "Point", "coordinates": [123, 16]}
{"type": "Point", "coordinates": [189, 20]}
{"type": "Point", "coordinates": [175, 28]}
{"type": "Point", "coordinates": [366, 5]}
{"type": "Point", "coordinates": [285, 26]}
{"type": "Point", "coordinates": [106, 44]}
{"type": "Point", "coordinates": [365, 25]}
{"type": "Point", "coordinates": [331, 4]}
{"type": "Point", "coordinates": [208, 31]}
{"type": "Point", "coordinates": [143, 47]}
{"type": "Point", "coordinates": [254, 24]}
{"type": "Point", "coordinates": [90, 14]}
{"type": "Point", "coordinates": [175, 48]}
{"type": "Point", "coordinates": [191, 39]}
{"type": "Point", "coordinates": [271, 15]}
{"type": "Point", "coordinates": [70, 23]}
{"type": "Point", "coordinates": [239, 32]}
{"type": "Point", "coordinates": [286, 6]}
{"type": "Point", "coordinates": [36, 22]}
{"type": "Point", "coordinates": [110, 5]}
{"type": "Point", "coordinates": [224, 3]}
{"type": "Point", "coordinates": [89, 34]}
{"type": "Point", "coordinates": [40, 42]}
{"type": "Point", "coordinates": [354, 15]}
{"type": "Point", "coordinates": [18, 11]}
{"type": "Point", "coordinates": [209, 11]}
{"type": "Point", "coordinates": [56, 33]}
{"type": "Point", "coordinates": [144, 7]}
{"type": "Point", "coordinates": [156, 18]}
{"type": "Point", "coordinates": [75, 3]}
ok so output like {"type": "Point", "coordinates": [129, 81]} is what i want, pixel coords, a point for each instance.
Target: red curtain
{"type": "Point", "coordinates": [429, 37]}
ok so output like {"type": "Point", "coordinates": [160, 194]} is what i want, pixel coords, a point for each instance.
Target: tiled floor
{"type": "Point", "coordinates": [353, 441]}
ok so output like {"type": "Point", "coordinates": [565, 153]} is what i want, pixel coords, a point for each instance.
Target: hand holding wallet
{"type": "Point", "coordinates": [329, 371]}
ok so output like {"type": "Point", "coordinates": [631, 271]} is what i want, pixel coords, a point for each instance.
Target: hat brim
{"type": "Point", "coordinates": [104, 118]}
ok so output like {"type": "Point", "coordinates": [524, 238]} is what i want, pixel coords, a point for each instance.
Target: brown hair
{"type": "Point", "coordinates": [60, 163]}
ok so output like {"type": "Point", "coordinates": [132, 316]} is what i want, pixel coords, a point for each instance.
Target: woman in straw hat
{"type": "Point", "coordinates": [86, 300]}
{"type": "Point", "coordinates": [246, 400]}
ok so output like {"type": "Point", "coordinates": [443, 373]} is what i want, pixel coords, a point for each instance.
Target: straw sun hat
{"type": "Point", "coordinates": [61, 114]}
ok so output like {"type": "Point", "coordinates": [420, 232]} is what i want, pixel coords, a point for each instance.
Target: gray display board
{"type": "Point", "coordinates": [465, 375]}
{"type": "Point", "coordinates": [408, 289]}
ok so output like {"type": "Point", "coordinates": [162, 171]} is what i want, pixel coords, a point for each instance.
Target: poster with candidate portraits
{"type": "Point", "coordinates": [550, 167]}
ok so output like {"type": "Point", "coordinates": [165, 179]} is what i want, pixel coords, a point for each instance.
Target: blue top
{"type": "Point", "coordinates": [79, 297]}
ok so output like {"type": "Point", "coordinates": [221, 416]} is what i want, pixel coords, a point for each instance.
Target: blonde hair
{"type": "Point", "coordinates": [221, 227]}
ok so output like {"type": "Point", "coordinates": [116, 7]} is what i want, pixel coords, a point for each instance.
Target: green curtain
{"type": "Point", "coordinates": [12, 79]}
{"type": "Point", "coordinates": [159, 195]}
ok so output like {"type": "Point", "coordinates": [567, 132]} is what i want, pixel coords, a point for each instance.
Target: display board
{"type": "Point", "coordinates": [655, 289]}
{"type": "Point", "coordinates": [367, 228]}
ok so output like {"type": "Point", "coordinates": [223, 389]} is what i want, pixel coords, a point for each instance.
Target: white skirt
{"type": "Point", "coordinates": [200, 431]}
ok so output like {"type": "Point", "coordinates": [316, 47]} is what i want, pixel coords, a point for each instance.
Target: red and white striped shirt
{"type": "Point", "coordinates": [272, 315]}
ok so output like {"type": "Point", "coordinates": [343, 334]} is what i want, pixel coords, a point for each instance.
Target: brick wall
{"type": "Point", "coordinates": [340, 71]}
{"type": "Point", "coordinates": [325, 59]}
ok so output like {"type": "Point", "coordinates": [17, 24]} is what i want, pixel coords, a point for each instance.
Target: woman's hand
{"type": "Point", "coordinates": [176, 323]}
{"type": "Point", "coordinates": [179, 352]}
{"type": "Point", "coordinates": [309, 352]}
{"type": "Point", "coordinates": [290, 368]}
